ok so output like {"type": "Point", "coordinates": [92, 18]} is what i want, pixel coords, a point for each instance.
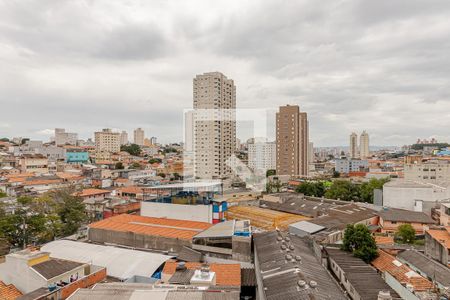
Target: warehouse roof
{"type": "Point", "coordinates": [426, 265]}
{"type": "Point", "coordinates": [363, 277]}
{"type": "Point", "coordinates": [288, 269]}
{"type": "Point", "coordinates": [120, 263]}
{"type": "Point", "coordinates": [403, 215]}
{"type": "Point", "coordinates": [54, 267]}
{"type": "Point", "coordinates": [222, 229]}
{"type": "Point", "coordinates": [179, 229]}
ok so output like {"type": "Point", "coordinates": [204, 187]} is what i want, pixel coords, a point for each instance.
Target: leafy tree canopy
{"type": "Point", "coordinates": [406, 233]}
{"type": "Point", "coordinates": [359, 241]}
{"type": "Point", "coordinates": [133, 149]}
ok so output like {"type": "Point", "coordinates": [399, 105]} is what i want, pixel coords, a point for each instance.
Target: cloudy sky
{"type": "Point", "coordinates": [383, 66]}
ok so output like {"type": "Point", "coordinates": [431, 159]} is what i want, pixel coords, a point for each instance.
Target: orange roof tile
{"type": "Point", "coordinates": [387, 263]}
{"type": "Point", "coordinates": [121, 180]}
{"type": "Point", "coordinates": [226, 274]}
{"type": "Point", "coordinates": [9, 292]}
{"type": "Point", "coordinates": [91, 192]}
{"type": "Point", "coordinates": [171, 228]}
{"type": "Point", "coordinates": [442, 236]}
{"type": "Point", "coordinates": [131, 190]}
{"type": "Point", "coordinates": [384, 240]}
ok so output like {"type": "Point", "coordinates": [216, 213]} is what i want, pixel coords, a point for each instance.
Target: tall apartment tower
{"type": "Point", "coordinates": [364, 151]}
{"type": "Point", "coordinates": [139, 136]}
{"type": "Point", "coordinates": [124, 138]}
{"type": "Point", "coordinates": [214, 125]}
{"type": "Point", "coordinates": [107, 141]}
{"type": "Point", "coordinates": [65, 138]}
{"type": "Point", "coordinates": [353, 147]}
{"type": "Point", "coordinates": [292, 141]}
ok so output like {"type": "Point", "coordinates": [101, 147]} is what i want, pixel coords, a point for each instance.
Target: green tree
{"type": "Point", "coordinates": [406, 233]}
{"type": "Point", "coordinates": [343, 190]}
{"type": "Point", "coordinates": [119, 166]}
{"type": "Point", "coordinates": [71, 211]}
{"type": "Point", "coordinates": [311, 188]}
{"type": "Point", "coordinates": [358, 240]}
{"type": "Point", "coordinates": [271, 172]}
{"type": "Point", "coordinates": [155, 161]}
{"type": "Point", "coordinates": [135, 165]}
{"type": "Point", "coordinates": [3, 194]}
{"type": "Point", "coordinates": [133, 149]}
{"type": "Point", "coordinates": [367, 188]}
{"type": "Point", "coordinates": [336, 174]}
{"type": "Point", "coordinates": [273, 186]}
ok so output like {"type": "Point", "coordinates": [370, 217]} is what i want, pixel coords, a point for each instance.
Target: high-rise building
{"type": "Point", "coordinates": [124, 138]}
{"type": "Point", "coordinates": [139, 136]}
{"type": "Point", "coordinates": [262, 156]}
{"type": "Point", "coordinates": [214, 125]}
{"type": "Point", "coordinates": [189, 131]}
{"type": "Point", "coordinates": [364, 151]}
{"type": "Point", "coordinates": [65, 138]}
{"type": "Point", "coordinates": [292, 141]}
{"type": "Point", "coordinates": [353, 147]}
{"type": "Point", "coordinates": [107, 141]}
{"type": "Point", "coordinates": [311, 156]}
{"type": "Point", "coordinates": [153, 140]}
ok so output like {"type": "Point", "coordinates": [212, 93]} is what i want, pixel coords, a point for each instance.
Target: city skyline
{"type": "Point", "coordinates": [380, 68]}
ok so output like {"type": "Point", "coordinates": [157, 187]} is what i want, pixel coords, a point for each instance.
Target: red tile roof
{"type": "Point", "coordinates": [387, 263]}
{"type": "Point", "coordinates": [91, 192]}
{"type": "Point", "coordinates": [384, 240]}
{"type": "Point", "coordinates": [226, 274]}
{"type": "Point", "coordinates": [442, 236]}
{"type": "Point", "coordinates": [152, 226]}
{"type": "Point", "coordinates": [9, 292]}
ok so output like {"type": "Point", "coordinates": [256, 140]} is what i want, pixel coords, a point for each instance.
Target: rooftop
{"type": "Point", "coordinates": [8, 291]}
{"type": "Point", "coordinates": [387, 263]}
{"type": "Point", "coordinates": [363, 277]}
{"type": "Point", "coordinates": [441, 235]}
{"type": "Point", "coordinates": [91, 192]}
{"type": "Point", "coordinates": [281, 271]}
{"type": "Point", "coordinates": [226, 274]}
{"type": "Point", "coordinates": [54, 267]}
{"type": "Point", "coordinates": [171, 228]}
{"type": "Point", "coordinates": [120, 263]}
{"type": "Point", "coordinates": [426, 265]}
{"type": "Point", "coordinates": [403, 215]}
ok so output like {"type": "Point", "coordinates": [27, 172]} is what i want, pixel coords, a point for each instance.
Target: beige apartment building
{"type": "Point", "coordinates": [364, 151]}
{"type": "Point", "coordinates": [214, 125]}
{"type": "Point", "coordinates": [107, 141]}
{"type": "Point", "coordinates": [124, 138]}
{"type": "Point", "coordinates": [33, 163]}
{"type": "Point", "coordinates": [139, 136]}
{"type": "Point", "coordinates": [292, 141]}
{"type": "Point", "coordinates": [428, 172]}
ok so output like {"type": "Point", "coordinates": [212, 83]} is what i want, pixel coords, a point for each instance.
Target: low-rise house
{"type": "Point", "coordinates": [360, 280]}
{"type": "Point", "coordinates": [444, 214]}
{"type": "Point", "coordinates": [427, 267]}
{"type": "Point", "coordinates": [437, 244]}
{"type": "Point", "coordinates": [92, 194]}
{"type": "Point", "coordinates": [33, 163]}
{"type": "Point", "coordinates": [392, 218]}
{"type": "Point", "coordinates": [286, 268]}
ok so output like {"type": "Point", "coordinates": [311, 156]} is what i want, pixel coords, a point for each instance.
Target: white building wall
{"type": "Point", "coordinates": [200, 213]}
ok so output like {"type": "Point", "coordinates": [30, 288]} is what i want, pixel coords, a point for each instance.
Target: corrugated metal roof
{"type": "Point", "coordinates": [120, 263]}
{"type": "Point", "coordinates": [223, 229]}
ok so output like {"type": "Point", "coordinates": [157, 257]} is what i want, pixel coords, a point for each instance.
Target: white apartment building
{"type": "Point", "coordinates": [107, 141]}
{"type": "Point", "coordinates": [124, 138]}
{"type": "Point", "coordinates": [364, 151]}
{"type": "Point", "coordinates": [430, 172]}
{"type": "Point", "coordinates": [214, 125]}
{"type": "Point", "coordinates": [353, 146]}
{"type": "Point", "coordinates": [139, 136]}
{"type": "Point", "coordinates": [65, 138]}
{"type": "Point", "coordinates": [262, 156]}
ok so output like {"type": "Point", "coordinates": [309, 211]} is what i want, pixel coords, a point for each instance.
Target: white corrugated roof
{"type": "Point", "coordinates": [307, 227]}
{"type": "Point", "coordinates": [120, 263]}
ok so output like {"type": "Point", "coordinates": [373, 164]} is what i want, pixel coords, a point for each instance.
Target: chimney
{"type": "Point", "coordinates": [384, 295]}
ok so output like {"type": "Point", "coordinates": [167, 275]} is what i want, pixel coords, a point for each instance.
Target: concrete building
{"type": "Point", "coordinates": [430, 171]}
{"type": "Point", "coordinates": [345, 166]}
{"type": "Point", "coordinates": [364, 151]}
{"type": "Point", "coordinates": [139, 136]}
{"type": "Point", "coordinates": [123, 138]}
{"type": "Point", "coordinates": [30, 163]}
{"type": "Point", "coordinates": [214, 125]}
{"type": "Point", "coordinates": [65, 138]}
{"type": "Point", "coordinates": [262, 156]}
{"type": "Point", "coordinates": [353, 146]}
{"type": "Point", "coordinates": [107, 141]}
{"type": "Point", "coordinates": [292, 141]}
{"type": "Point", "coordinates": [437, 244]}
{"type": "Point", "coordinates": [189, 131]}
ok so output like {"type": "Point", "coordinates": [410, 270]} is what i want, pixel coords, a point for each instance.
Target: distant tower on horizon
{"type": "Point", "coordinates": [364, 151]}
{"type": "Point", "coordinates": [353, 147]}
{"type": "Point", "coordinates": [139, 136]}
{"type": "Point", "coordinates": [292, 141]}
{"type": "Point", "coordinates": [123, 138]}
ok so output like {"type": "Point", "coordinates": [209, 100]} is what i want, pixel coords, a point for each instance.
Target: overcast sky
{"type": "Point", "coordinates": [383, 66]}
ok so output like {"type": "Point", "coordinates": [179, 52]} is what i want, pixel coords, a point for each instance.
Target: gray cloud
{"type": "Point", "coordinates": [351, 64]}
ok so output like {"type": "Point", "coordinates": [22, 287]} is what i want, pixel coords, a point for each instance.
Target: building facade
{"type": "Point", "coordinates": [139, 136]}
{"type": "Point", "coordinates": [292, 141]}
{"type": "Point", "coordinates": [364, 151]}
{"type": "Point", "coordinates": [345, 166]}
{"type": "Point", "coordinates": [107, 141]}
{"type": "Point", "coordinates": [214, 125]}
{"type": "Point", "coordinates": [65, 138]}
{"type": "Point", "coordinates": [430, 172]}
{"type": "Point", "coordinates": [262, 156]}
{"type": "Point", "coordinates": [353, 146]}
{"type": "Point", "coordinates": [123, 138]}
